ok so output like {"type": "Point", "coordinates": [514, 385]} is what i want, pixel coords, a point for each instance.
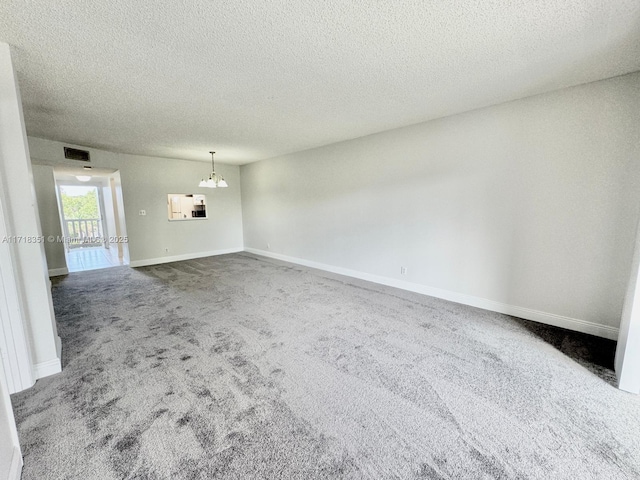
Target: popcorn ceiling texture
{"type": "Point", "coordinates": [239, 367]}
{"type": "Point", "coordinates": [260, 79]}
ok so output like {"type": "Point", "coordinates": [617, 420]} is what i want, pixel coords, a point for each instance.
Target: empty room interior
{"type": "Point", "coordinates": [299, 240]}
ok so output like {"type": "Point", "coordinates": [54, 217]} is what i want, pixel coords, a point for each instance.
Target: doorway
{"type": "Point", "coordinates": [82, 217]}
{"type": "Point", "coordinates": [92, 220]}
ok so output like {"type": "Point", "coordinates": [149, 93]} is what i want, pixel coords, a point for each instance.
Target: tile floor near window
{"type": "Point", "coordinates": [92, 258]}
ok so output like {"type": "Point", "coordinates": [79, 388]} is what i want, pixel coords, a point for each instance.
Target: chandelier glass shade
{"type": "Point", "coordinates": [214, 180]}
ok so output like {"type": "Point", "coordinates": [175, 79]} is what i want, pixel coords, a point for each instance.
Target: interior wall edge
{"type": "Point", "coordinates": [15, 470]}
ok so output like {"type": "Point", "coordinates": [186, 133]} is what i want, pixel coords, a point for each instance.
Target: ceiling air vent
{"type": "Point", "coordinates": [75, 154]}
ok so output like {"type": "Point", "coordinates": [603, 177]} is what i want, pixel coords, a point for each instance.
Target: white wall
{"type": "Point", "coordinates": [109, 219]}
{"type": "Point", "coordinates": [15, 350]}
{"type": "Point", "coordinates": [10, 454]}
{"type": "Point", "coordinates": [627, 361]}
{"type": "Point", "coordinates": [146, 181]}
{"type": "Point", "coordinates": [528, 207]}
{"type": "Point", "coordinates": [48, 207]}
{"type": "Point", "coordinates": [22, 220]}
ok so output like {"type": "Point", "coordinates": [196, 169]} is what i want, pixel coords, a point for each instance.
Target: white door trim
{"type": "Point", "coordinates": [15, 466]}
{"type": "Point", "coordinates": [627, 362]}
{"type": "Point", "coordinates": [16, 357]}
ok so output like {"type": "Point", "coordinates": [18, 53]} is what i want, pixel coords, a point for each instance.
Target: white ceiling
{"type": "Point", "coordinates": [256, 79]}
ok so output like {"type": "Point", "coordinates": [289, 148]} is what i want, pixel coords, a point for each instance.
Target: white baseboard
{"type": "Point", "coordinates": [44, 369]}
{"type": "Point", "coordinates": [569, 323]}
{"type": "Point", "coordinates": [56, 272]}
{"type": "Point", "coordinates": [15, 469]}
{"type": "Point", "coordinates": [58, 347]}
{"type": "Point", "coordinates": [178, 258]}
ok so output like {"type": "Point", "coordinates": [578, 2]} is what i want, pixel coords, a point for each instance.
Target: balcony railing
{"type": "Point", "coordinates": [83, 232]}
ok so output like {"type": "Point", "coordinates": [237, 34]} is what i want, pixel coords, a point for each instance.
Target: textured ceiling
{"type": "Point", "coordinates": [253, 80]}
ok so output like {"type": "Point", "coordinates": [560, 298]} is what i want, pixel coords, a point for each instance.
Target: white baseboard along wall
{"type": "Point", "coordinates": [569, 323]}
{"type": "Point", "coordinates": [57, 272]}
{"type": "Point", "coordinates": [178, 258]}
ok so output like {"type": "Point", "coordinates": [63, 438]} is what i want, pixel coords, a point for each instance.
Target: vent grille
{"type": "Point", "coordinates": [76, 154]}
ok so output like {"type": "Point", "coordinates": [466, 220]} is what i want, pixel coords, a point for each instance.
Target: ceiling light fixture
{"type": "Point", "coordinates": [214, 180]}
{"type": "Point", "coordinates": [83, 178]}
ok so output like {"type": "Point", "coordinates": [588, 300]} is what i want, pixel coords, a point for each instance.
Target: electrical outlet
{"type": "Point", "coordinates": [268, 246]}
{"type": "Point", "coordinates": [403, 270]}
{"type": "Point", "coordinates": [142, 213]}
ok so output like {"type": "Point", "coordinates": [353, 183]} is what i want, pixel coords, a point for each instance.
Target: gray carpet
{"type": "Point", "coordinates": [238, 367]}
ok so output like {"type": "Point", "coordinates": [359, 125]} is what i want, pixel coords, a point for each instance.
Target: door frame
{"type": "Point", "coordinates": [16, 355]}
{"type": "Point", "coordinates": [101, 208]}
{"type": "Point", "coordinates": [627, 360]}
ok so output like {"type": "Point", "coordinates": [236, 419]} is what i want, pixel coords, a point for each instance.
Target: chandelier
{"type": "Point", "coordinates": [214, 180]}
